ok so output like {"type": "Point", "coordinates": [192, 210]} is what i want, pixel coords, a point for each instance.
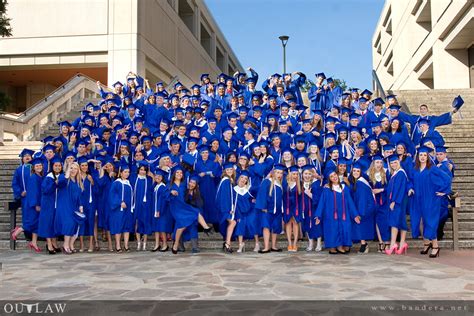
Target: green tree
{"type": "Point", "coordinates": [5, 29]}
{"type": "Point", "coordinates": [5, 101]}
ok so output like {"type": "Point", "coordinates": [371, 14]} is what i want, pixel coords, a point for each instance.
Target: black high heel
{"type": "Point", "coordinates": [425, 251]}
{"type": "Point", "coordinates": [118, 250]}
{"type": "Point", "coordinates": [227, 248]}
{"type": "Point", "coordinates": [164, 250]}
{"type": "Point", "coordinates": [437, 253]}
{"type": "Point", "coordinates": [57, 249]}
{"type": "Point", "coordinates": [51, 252]}
{"type": "Point", "coordinates": [155, 249]}
{"type": "Point", "coordinates": [174, 251]}
{"type": "Point", "coordinates": [208, 231]}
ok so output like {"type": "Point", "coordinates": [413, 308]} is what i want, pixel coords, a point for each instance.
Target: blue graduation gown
{"type": "Point", "coordinates": [33, 199]}
{"type": "Point", "coordinates": [89, 202]}
{"type": "Point", "coordinates": [292, 207]}
{"type": "Point", "coordinates": [163, 223]}
{"type": "Point", "coordinates": [248, 222]}
{"type": "Point", "coordinates": [225, 203]}
{"type": "Point", "coordinates": [426, 204]}
{"type": "Point", "coordinates": [121, 219]}
{"type": "Point", "coordinates": [208, 187]}
{"type": "Point", "coordinates": [397, 192]}
{"type": "Point", "coordinates": [309, 206]}
{"type": "Point", "coordinates": [103, 206]}
{"type": "Point", "coordinates": [69, 201]}
{"type": "Point", "coordinates": [183, 214]}
{"type": "Point", "coordinates": [19, 181]}
{"type": "Point", "coordinates": [336, 210]}
{"type": "Point", "coordinates": [364, 201]}
{"type": "Point", "coordinates": [143, 202]}
{"type": "Point", "coordinates": [273, 203]}
{"type": "Point", "coordinates": [381, 210]}
{"type": "Point", "coordinates": [49, 203]}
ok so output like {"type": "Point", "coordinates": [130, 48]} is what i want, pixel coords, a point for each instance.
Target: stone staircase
{"type": "Point", "coordinates": [458, 137]}
{"type": "Point", "coordinates": [53, 129]}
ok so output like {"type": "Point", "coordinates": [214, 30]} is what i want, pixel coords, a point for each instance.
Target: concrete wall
{"type": "Point", "coordinates": [156, 38]}
{"type": "Point", "coordinates": [423, 44]}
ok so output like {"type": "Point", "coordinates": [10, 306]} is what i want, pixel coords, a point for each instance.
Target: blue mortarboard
{"type": "Point", "coordinates": [243, 109]}
{"type": "Point", "coordinates": [279, 166]}
{"type": "Point", "coordinates": [195, 86]}
{"type": "Point", "coordinates": [244, 173]}
{"type": "Point", "coordinates": [343, 161]}
{"type": "Point", "coordinates": [357, 165]}
{"type": "Point", "coordinates": [330, 135]}
{"type": "Point", "coordinates": [70, 154]}
{"type": "Point", "coordinates": [394, 107]}
{"type": "Point", "coordinates": [228, 165]}
{"type": "Point", "coordinates": [25, 152]}
{"type": "Point", "coordinates": [346, 110]}
{"type": "Point", "coordinates": [178, 84]}
{"type": "Point", "coordinates": [354, 90]}
{"type": "Point", "coordinates": [79, 217]}
{"type": "Point", "coordinates": [368, 92]}
{"type": "Point", "coordinates": [354, 116]}
{"type": "Point", "coordinates": [175, 140]}
{"type": "Point", "coordinates": [388, 147]}
{"type": "Point", "coordinates": [220, 85]}
{"type": "Point", "coordinates": [232, 115]}
{"type": "Point", "coordinates": [391, 96]}
{"type": "Point", "coordinates": [375, 124]}
{"type": "Point", "coordinates": [342, 128]}
{"type": "Point", "coordinates": [203, 148]}
{"type": "Point", "coordinates": [193, 140]}
{"type": "Point", "coordinates": [47, 139]}
{"type": "Point", "coordinates": [458, 102]}
{"type": "Point", "coordinates": [49, 147]}
{"type": "Point", "coordinates": [275, 75]}
{"type": "Point", "coordinates": [204, 76]}
{"type": "Point", "coordinates": [275, 135]}
{"type": "Point", "coordinates": [332, 148]}
{"type": "Point", "coordinates": [321, 74]}
{"type": "Point", "coordinates": [293, 169]}
{"type": "Point", "coordinates": [161, 172]}
{"type": "Point", "coordinates": [392, 158]}
{"type": "Point", "coordinates": [106, 115]}
{"type": "Point", "coordinates": [227, 128]}
{"type": "Point", "coordinates": [244, 154]}
{"type": "Point", "coordinates": [64, 123]}
{"type": "Point", "coordinates": [362, 99]}
{"type": "Point", "coordinates": [56, 159]}
{"type": "Point", "coordinates": [82, 160]}
{"type": "Point", "coordinates": [328, 172]}
{"type": "Point", "coordinates": [378, 101]}
{"type": "Point", "coordinates": [331, 119]}
{"type": "Point", "coordinates": [118, 83]}
{"type": "Point", "coordinates": [36, 161]}
{"type": "Point", "coordinates": [424, 121]}
{"type": "Point", "coordinates": [329, 80]}
{"type": "Point", "coordinates": [441, 149]}
{"type": "Point", "coordinates": [146, 138]}
{"type": "Point", "coordinates": [377, 157]}
{"type": "Point", "coordinates": [300, 138]}
{"type": "Point", "coordinates": [345, 95]}
{"type": "Point", "coordinates": [308, 167]}
{"type": "Point", "coordinates": [250, 79]}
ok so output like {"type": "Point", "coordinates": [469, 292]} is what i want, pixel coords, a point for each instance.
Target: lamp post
{"type": "Point", "coordinates": [284, 40]}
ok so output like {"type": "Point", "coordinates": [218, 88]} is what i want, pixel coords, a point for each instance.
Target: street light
{"type": "Point", "coordinates": [284, 40]}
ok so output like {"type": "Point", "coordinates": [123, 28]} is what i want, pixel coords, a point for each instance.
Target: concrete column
{"type": "Point", "coordinates": [450, 68]}
{"type": "Point", "coordinates": [197, 23]}
{"type": "Point", "coordinates": [213, 46]}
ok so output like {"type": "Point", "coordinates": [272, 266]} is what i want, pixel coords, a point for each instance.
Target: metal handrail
{"type": "Point", "coordinates": [377, 85]}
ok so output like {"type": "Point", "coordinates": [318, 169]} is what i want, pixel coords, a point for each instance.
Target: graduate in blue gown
{"type": "Point", "coordinates": [430, 184]}
{"type": "Point", "coordinates": [225, 203]}
{"type": "Point", "coordinates": [397, 190]}
{"type": "Point", "coordinates": [19, 181]}
{"type": "Point", "coordinates": [69, 202]}
{"type": "Point", "coordinates": [270, 203]}
{"type": "Point", "coordinates": [184, 215]}
{"type": "Point", "coordinates": [89, 202]}
{"type": "Point", "coordinates": [104, 182]}
{"type": "Point", "coordinates": [364, 201]}
{"type": "Point", "coordinates": [50, 186]}
{"type": "Point", "coordinates": [378, 180]}
{"type": "Point", "coordinates": [292, 209]}
{"type": "Point", "coordinates": [446, 165]}
{"type": "Point", "coordinates": [336, 210]}
{"type": "Point", "coordinates": [142, 186]}
{"type": "Point", "coordinates": [311, 193]}
{"type": "Point", "coordinates": [121, 208]}
{"type": "Point", "coordinates": [30, 213]}
{"type": "Point", "coordinates": [162, 222]}
{"type": "Point", "coordinates": [208, 171]}
{"type": "Point", "coordinates": [248, 224]}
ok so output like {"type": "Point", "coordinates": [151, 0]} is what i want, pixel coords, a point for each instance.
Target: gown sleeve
{"type": "Point", "coordinates": [115, 196]}
{"type": "Point", "coordinates": [440, 180]}
{"type": "Point", "coordinates": [262, 196]}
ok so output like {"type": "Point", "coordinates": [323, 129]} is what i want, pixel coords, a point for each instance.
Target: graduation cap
{"type": "Point", "coordinates": [220, 85]}
{"type": "Point", "coordinates": [203, 148]}
{"type": "Point", "coordinates": [458, 102]}
{"type": "Point", "coordinates": [355, 90]}
{"type": "Point", "coordinates": [378, 101]}
{"type": "Point", "coordinates": [388, 147]}
{"type": "Point", "coordinates": [394, 107]}
{"type": "Point", "coordinates": [146, 138]}
{"type": "Point", "coordinates": [251, 131]}
{"type": "Point", "coordinates": [25, 152]}
{"type": "Point", "coordinates": [279, 166]}
{"type": "Point", "coordinates": [204, 76]}
{"type": "Point", "coordinates": [424, 121]}
{"type": "Point", "coordinates": [293, 169]}
{"type": "Point", "coordinates": [329, 80]}
{"type": "Point", "coordinates": [377, 157]}
{"type": "Point", "coordinates": [160, 172]}
{"type": "Point", "coordinates": [321, 74]}
{"type": "Point", "coordinates": [56, 159]}
{"type": "Point", "coordinates": [250, 79]}
{"type": "Point", "coordinates": [64, 123]}
{"type": "Point", "coordinates": [275, 135]}
{"type": "Point", "coordinates": [331, 119]}
{"type": "Point", "coordinates": [243, 154]}
{"type": "Point", "coordinates": [244, 173]}
{"type": "Point", "coordinates": [243, 109]}
{"type": "Point", "coordinates": [391, 97]}
{"type": "Point", "coordinates": [118, 83]}
{"type": "Point", "coordinates": [160, 84]}
{"type": "Point", "coordinates": [362, 99]}
{"type": "Point", "coordinates": [330, 135]}
{"type": "Point", "coordinates": [49, 147]}
{"type": "Point", "coordinates": [276, 75]}
{"type": "Point", "coordinates": [70, 154]}
{"type": "Point", "coordinates": [82, 160]}
{"type": "Point", "coordinates": [47, 139]}
{"type": "Point", "coordinates": [367, 92]}
{"type": "Point", "coordinates": [257, 108]}
{"type": "Point", "coordinates": [36, 161]}
{"type": "Point", "coordinates": [333, 148]}
{"type": "Point", "coordinates": [375, 124]}
{"type": "Point", "coordinates": [328, 172]}
{"type": "Point", "coordinates": [195, 86]}
{"type": "Point", "coordinates": [357, 165]}
{"type": "Point", "coordinates": [300, 139]}
{"type": "Point", "coordinates": [232, 115]}
{"type": "Point", "coordinates": [345, 95]}
{"type": "Point", "coordinates": [343, 161]}
{"type": "Point", "coordinates": [393, 158]}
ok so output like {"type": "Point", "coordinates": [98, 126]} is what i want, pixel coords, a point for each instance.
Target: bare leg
{"type": "Point", "coordinates": [50, 244]}
{"type": "Point", "coordinates": [34, 239]}
{"type": "Point", "coordinates": [296, 231]}
{"type": "Point", "coordinates": [126, 238]}
{"type": "Point", "coordinates": [266, 239]}
{"type": "Point", "coordinates": [66, 243]}
{"type": "Point", "coordinates": [81, 243]}
{"type": "Point", "coordinates": [274, 241]}
{"type": "Point", "coordinates": [202, 221]}
{"type": "Point", "coordinates": [117, 240]}
{"type": "Point", "coordinates": [403, 236]}
{"type": "Point", "coordinates": [230, 229]}
{"type": "Point", "coordinates": [109, 240]}
{"type": "Point", "coordinates": [393, 236]}
{"type": "Point", "coordinates": [164, 244]}
{"type": "Point", "coordinates": [288, 233]}
{"type": "Point", "coordinates": [179, 232]}
{"type": "Point", "coordinates": [157, 240]}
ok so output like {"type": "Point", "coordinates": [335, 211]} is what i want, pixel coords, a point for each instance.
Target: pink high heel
{"type": "Point", "coordinates": [14, 233]}
{"type": "Point", "coordinates": [391, 250]}
{"type": "Point", "coordinates": [403, 249]}
{"type": "Point", "coordinates": [33, 247]}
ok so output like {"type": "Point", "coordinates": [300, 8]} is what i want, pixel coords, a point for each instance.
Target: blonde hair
{"type": "Point", "coordinates": [297, 181]}
{"type": "Point", "coordinates": [77, 178]}
{"type": "Point", "coordinates": [372, 174]}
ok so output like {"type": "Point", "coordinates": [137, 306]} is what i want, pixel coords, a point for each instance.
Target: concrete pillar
{"type": "Point", "coordinates": [197, 22]}
{"type": "Point", "coordinates": [450, 68]}
{"type": "Point", "coordinates": [213, 46]}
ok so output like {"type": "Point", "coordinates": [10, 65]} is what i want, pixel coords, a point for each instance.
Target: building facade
{"type": "Point", "coordinates": [425, 44]}
{"type": "Point", "coordinates": [105, 39]}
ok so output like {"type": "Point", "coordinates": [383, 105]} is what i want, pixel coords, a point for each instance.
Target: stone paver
{"type": "Point", "coordinates": [212, 275]}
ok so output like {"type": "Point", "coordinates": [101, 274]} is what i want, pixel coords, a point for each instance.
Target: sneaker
{"type": "Point", "coordinates": [257, 248]}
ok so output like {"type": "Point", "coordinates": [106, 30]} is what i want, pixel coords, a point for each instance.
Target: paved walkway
{"type": "Point", "coordinates": [212, 275]}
